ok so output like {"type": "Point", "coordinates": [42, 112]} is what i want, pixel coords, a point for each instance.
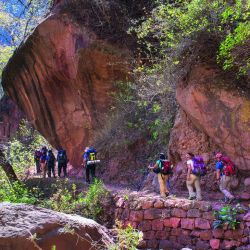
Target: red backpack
{"type": "Point", "coordinates": [165, 167]}
{"type": "Point", "coordinates": [229, 168]}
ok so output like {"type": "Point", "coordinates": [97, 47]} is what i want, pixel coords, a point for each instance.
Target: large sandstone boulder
{"type": "Point", "coordinates": [24, 227]}
{"type": "Point", "coordinates": [216, 117]}
{"type": "Point", "coordinates": [64, 74]}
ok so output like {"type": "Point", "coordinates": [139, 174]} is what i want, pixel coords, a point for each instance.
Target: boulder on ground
{"type": "Point", "coordinates": [25, 227]}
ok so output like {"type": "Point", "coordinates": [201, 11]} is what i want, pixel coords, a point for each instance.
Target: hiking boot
{"type": "Point", "coordinates": [191, 198]}
{"type": "Point", "coordinates": [163, 196]}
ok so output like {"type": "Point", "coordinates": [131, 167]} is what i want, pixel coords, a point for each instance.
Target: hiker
{"type": "Point", "coordinates": [89, 155]}
{"type": "Point", "coordinates": [43, 161]}
{"type": "Point", "coordinates": [62, 162]}
{"type": "Point", "coordinates": [195, 169]}
{"type": "Point", "coordinates": [50, 162]}
{"type": "Point", "coordinates": [225, 171]}
{"type": "Point", "coordinates": [162, 168]}
{"type": "Point", "coordinates": [37, 156]}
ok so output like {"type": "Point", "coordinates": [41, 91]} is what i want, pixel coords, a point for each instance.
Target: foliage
{"type": "Point", "coordinates": [16, 192]}
{"type": "Point", "coordinates": [93, 199]}
{"type": "Point", "coordinates": [17, 20]}
{"type": "Point", "coordinates": [65, 199]}
{"type": "Point", "coordinates": [172, 28]}
{"type": "Point", "coordinates": [69, 200]}
{"type": "Point", "coordinates": [228, 216]}
{"type": "Point", "coordinates": [23, 144]}
{"type": "Point", "coordinates": [126, 238]}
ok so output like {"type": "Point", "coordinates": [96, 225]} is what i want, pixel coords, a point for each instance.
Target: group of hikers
{"type": "Point", "coordinates": [225, 172]}
{"type": "Point", "coordinates": [45, 162]}
{"type": "Point", "coordinates": [196, 168]}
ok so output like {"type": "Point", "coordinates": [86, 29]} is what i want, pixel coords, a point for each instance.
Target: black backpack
{"type": "Point", "coordinates": [62, 157]}
{"type": "Point", "coordinates": [51, 160]}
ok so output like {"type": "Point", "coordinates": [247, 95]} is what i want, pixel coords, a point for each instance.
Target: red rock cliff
{"type": "Point", "coordinates": [10, 116]}
{"type": "Point", "coordinates": [215, 115]}
{"type": "Point", "coordinates": [63, 74]}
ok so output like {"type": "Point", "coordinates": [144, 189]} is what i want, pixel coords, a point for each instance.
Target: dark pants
{"type": "Point", "coordinates": [38, 170]}
{"type": "Point", "coordinates": [51, 168]}
{"type": "Point", "coordinates": [64, 167]}
{"type": "Point", "coordinates": [91, 169]}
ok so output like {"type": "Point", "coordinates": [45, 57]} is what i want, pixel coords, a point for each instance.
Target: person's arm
{"type": "Point", "coordinates": [153, 167]}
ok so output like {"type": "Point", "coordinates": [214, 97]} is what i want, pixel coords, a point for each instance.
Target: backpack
{"type": "Point", "coordinates": [199, 168]}
{"type": "Point", "coordinates": [51, 159]}
{"type": "Point", "coordinates": [37, 155]}
{"type": "Point", "coordinates": [62, 157]}
{"type": "Point", "coordinates": [229, 168]}
{"type": "Point", "coordinates": [92, 156]}
{"type": "Point", "coordinates": [43, 158]}
{"type": "Point", "coordinates": [165, 167]}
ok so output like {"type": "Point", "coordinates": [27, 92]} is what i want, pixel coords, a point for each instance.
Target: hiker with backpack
{"type": "Point", "coordinates": [43, 161]}
{"type": "Point", "coordinates": [50, 162]}
{"type": "Point", "coordinates": [37, 156]}
{"type": "Point", "coordinates": [89, 162]}
{"type": "Point", "coordinates": [162, 168]}
{"type": "Point", "coordinates": [196, 168]}
{"type": "Point", "coordinates": [225, 172]}
{"type": "Point", "coordinates": [62, 160]}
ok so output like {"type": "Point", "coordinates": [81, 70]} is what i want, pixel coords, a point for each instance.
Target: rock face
{"type": "Point", "coordinates": [25, 227]}
{"type": "Point", "coordinates": [10, 116]}
{"type": "Point", "coordinates": [215, 118]}
{"type": "Point", "coordinates": [63, 76]}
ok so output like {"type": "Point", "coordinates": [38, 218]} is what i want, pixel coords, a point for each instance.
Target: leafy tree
{"type": "Point", "coordinates": [172, 28]}
{"type": "Point", "coordinates": [22, 147]}
{"type": "Point", "coordinates": [17, 19]}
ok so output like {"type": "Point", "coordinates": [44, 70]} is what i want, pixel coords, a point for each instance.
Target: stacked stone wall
{"type": "Point", "coordinates": [178, 223]}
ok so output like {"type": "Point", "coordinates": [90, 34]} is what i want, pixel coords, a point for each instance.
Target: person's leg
{"type": "Point", "coordinates": [168, 184]}
{"type": "Point", "coordinates": [53, 170]}
{"type": "Point", "coordinates": [49, 171]}
{"type": "Point", "coordinates": [92, 171]}
{"type": "Point", "coordinates": [166, 177]}
{"type": "Point", "coordinates": [198, 188]}
{"type": "Point", "coordinates": [87, 174]}
{"type": "Point", "coordinates": [59, 169]}
{"type": "Point", "coordinates": [190, 186]}
{"type": "Point", "coordinates": [228, 183]}
{"type": "Point", "coordinates": [65, 169]}
{"type": "Point", "coordinates": [162, 185]}
{"type": "Point", "coordinates": [223, 186]}
{"type": "Point", "coordinates": [44, 167]}
{"type": "Point", "coordinates": [38, 167]}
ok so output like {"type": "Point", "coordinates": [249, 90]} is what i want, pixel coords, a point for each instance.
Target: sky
{"type": "Point", "coordinates": [15, 8]}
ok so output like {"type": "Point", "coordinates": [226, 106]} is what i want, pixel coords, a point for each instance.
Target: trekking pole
{"type": "Point", "coordinates": [145, 175]}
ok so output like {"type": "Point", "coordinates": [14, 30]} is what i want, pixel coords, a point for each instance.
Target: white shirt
{"type": "Point", "coordinates": [191, 163]}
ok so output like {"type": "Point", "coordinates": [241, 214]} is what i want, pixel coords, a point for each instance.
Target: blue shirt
{"type": "Point", "coordinates": [219, 166]}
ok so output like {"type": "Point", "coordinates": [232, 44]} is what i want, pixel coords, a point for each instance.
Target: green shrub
{"type": "Point", "coordinates": [15, 192]}
{"type": "Point", "coordinates": [65, 199]}
{"type": "Point", "coordinates": [23, 144]}
{"type": "Point", "coordinates": [94, 198]}
{"type": "Point", "coordinates": [228, 216]}
{"type": "Point", "coordinates": [125, 238]}
{"type": "Point", "coordinates": [171, 29]}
